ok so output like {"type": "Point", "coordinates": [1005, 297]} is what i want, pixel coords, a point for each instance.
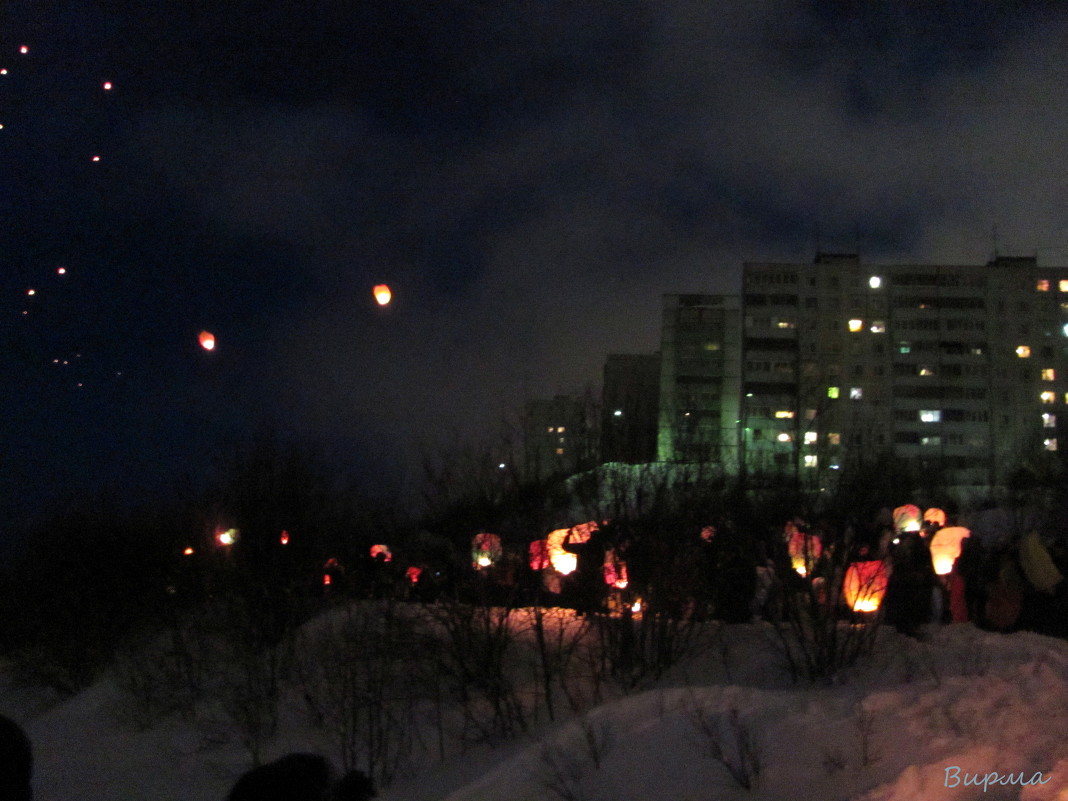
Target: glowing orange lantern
{"type": "Point", "coordinates": [945, 548]}
{"type": "Point", "coordinates": [485, 550]}
{"type": "Point", "coordinates": [936, 516]}
{"type": "Point", "coordinates": [805, 550]}
{"type": "Point", "coordinates": [382, 551]}
{"type": "Point", "coordinates": [207, 340]}
{"type": "Point", "coordinates": [188, 552]}
{"type": "Point", "coordinates": [284, 538]}
{"type": "Point", "coordinates": [539, 555]}
{"type": "Point", "coordinates": [413, 573]}
{"type": "Point", "coordinates": [865, 585]}
{"type": "Point", "coordinates": [561, 560]}
{"type": "Point", "coordinates": [383, 295]}
{"type": "Point", "coordinates": [907, 518]}
{"type": "Point", "coordinates": [615, 570]}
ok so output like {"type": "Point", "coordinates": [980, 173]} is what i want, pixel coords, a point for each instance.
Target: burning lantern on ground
{"type": "Point", "coordinates": [413, 574]}
{"type": "Point", "coordinates": [907, 518]}
{"type": "Point", "coordinates": [485, 550]}
{"type": "Point", "coordinates": [381, 553]}
{"type": "Point", "coordinates": [945, 548]}
{"type": "Point", "coordinates": [865, 585]}
{"type": "Point", "coordinates": [561, 560]}
{"type": "Point", "coordinates": [805, 550]}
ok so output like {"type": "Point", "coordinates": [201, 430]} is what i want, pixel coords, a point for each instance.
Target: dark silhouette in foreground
{"type": "Point", "coordinates": [301, 777]}
{"type": "Point", "coordinates": [16, 762]}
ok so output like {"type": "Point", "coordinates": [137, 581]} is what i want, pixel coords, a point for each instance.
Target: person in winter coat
{"type": "Point", "coordinates": [301, 777]}
{"type": "Point", "coordinates": [16, 762]}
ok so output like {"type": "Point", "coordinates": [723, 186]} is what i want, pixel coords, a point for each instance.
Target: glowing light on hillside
{"type": "Point", "coordinates": [383, 295]}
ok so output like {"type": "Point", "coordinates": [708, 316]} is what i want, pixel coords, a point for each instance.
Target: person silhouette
{"type": "Point", "coordinates": [16, 762]}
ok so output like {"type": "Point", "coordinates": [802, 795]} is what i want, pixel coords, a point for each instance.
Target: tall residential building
{"type": "Point", "coordinates": [558, 436]}
{"type": "Point", "coordinates": [630, 404]}
{"type": "Point", "coordinates": [701, 348]}
{"type": "Point", "coordinates": [962, 370]}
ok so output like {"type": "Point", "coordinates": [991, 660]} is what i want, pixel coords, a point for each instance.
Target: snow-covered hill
{"type": "Point", "coordinates": [887, 731]}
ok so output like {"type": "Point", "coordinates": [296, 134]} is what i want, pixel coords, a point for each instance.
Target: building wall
{"type": "Point", "coordinates": [558, 436]}
{"type": "Point", "coordinates": [958, 368]}
{"type": "Point", "coordinates": [630, 404]}
{"type": "Point", "coordinates": [699, 379]}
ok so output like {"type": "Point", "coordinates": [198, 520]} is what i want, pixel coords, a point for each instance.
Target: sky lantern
{"type": "Point", "coordinates": [539, 555]}
{"type": "Point", "coordinates": [865, 585]}
{"type": "Point", "coordinates": [226, 537]}
{"type": "Point", "coordinates": [945, 548]}
{"type": "Point", "coordinates": [936, 516]}
{"type": "Point", "coordinates": [207, 340]}
{"type": "Point", "coordinates": [561, 560]}
{"type": "Point", "coordinates": [382, 551]}
{"type": "Point", "coordinates": [284, 538]}
{"type": "Point", "coordinates": [907, 518]}
{"type": "Point", "coordinates": [804, 549]}
{"type": "Point", "coordinates": [614, 570]}
{"type": "Point", "coordinates": [383, 295]}
{"type": "Point", "coordinates": [485, 550]}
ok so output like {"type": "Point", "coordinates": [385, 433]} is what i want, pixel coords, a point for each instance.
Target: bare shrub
{"type": "Point", "coordinates": [729, 740]}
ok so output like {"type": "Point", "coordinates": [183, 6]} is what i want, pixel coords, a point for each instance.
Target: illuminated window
{"type": "Point", "coordinates": [1065, 329]}
{"type": "Point", "coordinates": [1062, 285]}
{"type": "Point", "coordinates": [1050, 444]}
{"type": "Point", "coordinates": [1049, 421]}
{"type": "Point", "coordinates": [905, 347]}
{"type": "Point", "coordinates": [930, 415]}
{"type": "Point", "coordinates": [559, 451]}
{"type": "Point", "coordinates": [786, 324]}
{"type": "Point", "coordinates": [617, 413]}
{"type": "Point", "coordinates": [856, 325]}
{"type": "Point", "coordinates": [1023, 351]}
{"type": "Point", "coordinates": [811, 460]}
{"type": "Point", "coordinates": [875, 282]}
{"type": "Point", "coordinates": [878, 327]}
{"type": "Point", "coordinates": [1048, 397]}
{"type": "Point", "coordinates": [832, 392]}
{"type": "Point", "coordinates": [551, 429]}
{"type": "Point", "coordinates": [560, 430]}
{"type": "Point", "coordinates": [834, 439]}
{"type": "Point", "coordinates": [936, 440]}
{"type": "Point", "coordinates": [1048, 374]}
{"type": "Point", "coordinates": [811, 437]}
{"type": "Point", "coordinates": [784, 414]}
{"type": "Point", "coordinates": [926, 371]}
{"type": "Point", "coordinates": [1042, 285]}
{"type": "Point", "coordinates": [711, 346]}
{"type": "Point", "coordinates": [784, 437]}
{"type": "Point", "coordinates": [856, 393]}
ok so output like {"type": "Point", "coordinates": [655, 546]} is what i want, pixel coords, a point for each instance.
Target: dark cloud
{"type": "Point", "coordinates": [530, 177]}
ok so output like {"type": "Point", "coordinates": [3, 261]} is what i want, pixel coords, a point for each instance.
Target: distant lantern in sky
{"type": "Point", "coordinates": [24, 50]}
{"type": "Point", "coordinates": [383, 295]}
{"type": "Point", "coordinates": [107, 86]}
{"type": "Point", "coordinates": [96, 158]}
{"type": "Point", "coordinates": [207, 340]}
{"type": "Point", "coordinates": [61, 270]}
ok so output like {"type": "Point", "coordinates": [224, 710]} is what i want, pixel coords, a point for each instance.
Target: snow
{"type": "Point", "coordinates": [886, 730]}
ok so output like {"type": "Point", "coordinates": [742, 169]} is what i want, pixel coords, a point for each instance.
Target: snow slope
{"type": "Point", "coordinates": [887, 731]}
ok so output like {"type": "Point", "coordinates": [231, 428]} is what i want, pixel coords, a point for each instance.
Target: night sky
{"type": "Point", "coordinates": [529, 177]}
